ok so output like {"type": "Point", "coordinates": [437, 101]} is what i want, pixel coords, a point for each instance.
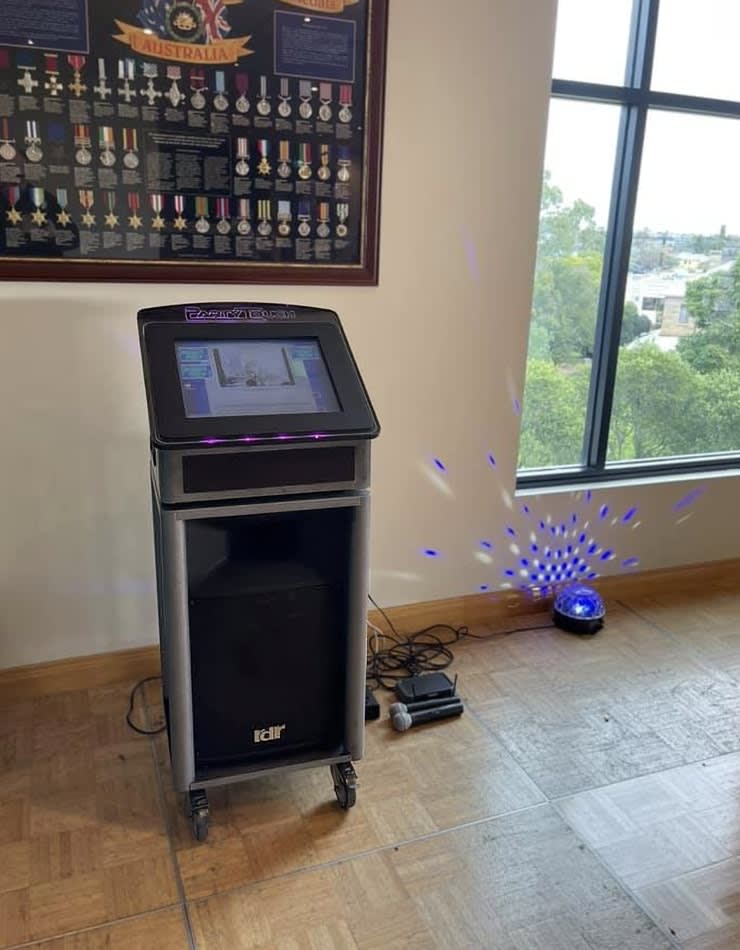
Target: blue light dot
{"type": "Point", "coordinates": [483, 587]}
{"type": "Point", "coordinates": [592, 548]}
{"type": "Point", "coordinates": [563, 528]}
{"type": "Point", "coordinates": [592, 575]}
{"type": "Point", "coordinates": [524, 562]}
{"type": "Point", "coordinates": [607, 555]}
{"type": "Point", "coordinates": [440, 465]}
{"type": "Point", "coordinates": [582, 568]}
{"type": "Point", "coordinates": [630, 562]}
{"type": "Point", "coordinates": [573, 518]}
{"type": "Point", "coordinates": [533, 548]}
{"type": "Point", "coordinates": [603, 511]}
{"type": "Point", "coordinates": [492, 461]}
{"type": "Point", "coordinates": [569, 549]}
{"type": "Point", "coordinates": [508, 572]}
{"type": "Point", "coordinates": [553, 530]}
{"type": "Point", "coordinates": [547, 577]}
{"type": "Point", "coordinates": [560, 554]}
{"type": "Point", "coordinates": [575, 560]}
{"type": "Point", "coordinates": [569, 573]}
{"type": "Point", "coordinates": [430, 552]}
{"type": "Point", "coordinates": [510, 531]}
{"type": "Point", "coordinates": [588, 495]}
{"type": "Point", "coordinates": [486, 544]}
{"type": "Point", "coordinates": [517, 406]}
{"type": "Point", "coordinates": [629, 515]}
{"type": "Point", "coordinates": [533, 577]}
{"type": "Point", "coordinates": [542, 525]}
{"type": "Point", "coordinates": [525, 509]}
{"type": "Point", "coordinates": [581, 538]}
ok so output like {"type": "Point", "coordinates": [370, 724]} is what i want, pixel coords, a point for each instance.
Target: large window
{"type": "Point", "coordinates": [634, 350]}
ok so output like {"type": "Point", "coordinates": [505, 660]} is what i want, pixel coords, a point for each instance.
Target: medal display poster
{"type": "Point", "coordinates": [191, 140]}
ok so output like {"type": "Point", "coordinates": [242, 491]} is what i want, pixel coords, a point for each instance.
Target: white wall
{"type": "Point", "coordinates": [441, 342]}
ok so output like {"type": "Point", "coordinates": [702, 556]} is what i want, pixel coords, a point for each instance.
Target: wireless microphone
{"type": "Point", "coordinates": [421, 704]}
{"type": "Point", "coordinates": [405, 720]}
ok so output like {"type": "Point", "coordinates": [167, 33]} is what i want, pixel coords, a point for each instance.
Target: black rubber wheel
{"type": "Point", "coordinates": [200, 825]}
{"type": "Point", "coordinates": [346, 796]}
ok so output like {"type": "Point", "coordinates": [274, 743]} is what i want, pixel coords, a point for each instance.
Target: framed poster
{"type": "Point", "coordinates": [191, 140]}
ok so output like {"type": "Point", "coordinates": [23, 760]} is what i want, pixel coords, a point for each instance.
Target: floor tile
{"type": "Point", "coordinates": [164, 930]}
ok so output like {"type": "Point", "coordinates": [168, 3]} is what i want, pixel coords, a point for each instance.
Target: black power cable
{"type": "Point", "coordinates": [129, 714]}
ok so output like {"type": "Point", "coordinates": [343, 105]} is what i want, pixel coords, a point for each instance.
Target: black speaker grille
{"type": "Point", "coordinates": [270, 469]}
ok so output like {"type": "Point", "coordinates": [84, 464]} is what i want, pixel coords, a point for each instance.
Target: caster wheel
{"type": "Point", "coordinates": [345, 784]}
{"type": "Point", "coordinates": [200, 825]}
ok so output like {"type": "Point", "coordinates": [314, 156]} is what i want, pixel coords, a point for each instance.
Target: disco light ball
{"type": "Point", "coordinates": [579, 609]}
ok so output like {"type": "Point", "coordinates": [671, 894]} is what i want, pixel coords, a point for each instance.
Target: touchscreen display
{"type": "Point", "coordinates": [254, 378]}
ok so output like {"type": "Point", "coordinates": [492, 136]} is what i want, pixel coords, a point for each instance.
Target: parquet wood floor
{"type": "Point", "coordinates": [588, 798]}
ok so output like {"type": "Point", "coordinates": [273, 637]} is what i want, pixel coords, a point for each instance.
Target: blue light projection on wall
{"type": "Point", "coordinates": [541, 555]}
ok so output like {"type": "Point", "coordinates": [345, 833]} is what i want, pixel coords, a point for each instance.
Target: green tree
{"type": "Point", "coordinates": [634, 324]}
{"type": "Point", "coordinates": [553, 415]}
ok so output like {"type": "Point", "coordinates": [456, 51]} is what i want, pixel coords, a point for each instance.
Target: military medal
{"type": "Point", "coordinates": [27, 83]}
{"type": "Point", "coordinates": [342, 215]}
{"type": "Point", "coordinates": [324, 171]}
{"type": "Point", "coordinates": [156, 203]}
{"type": "Point", "coordinates": [134, 221]}
{"type": "Point", "coordinates": [150, 91]}
{"type": "Point", "coordinates": [83, 155]}
{"type": "Point", "coordinates": [305, 109]}
{"type": "Point", "coordinates": [304, 218]}
{"type": "Point", "coordinates": [284, 107]}
{"type": "Point", "coordinates": [127, 74]}
{"type": "Point", "coordinates": [220, 102]}
{"type": "Point", "coordinates": [52, 84]}
{"type": "Point", "coordinates": [63, 217]}
{"type": "Point", "coordinates": [264, 167]}
{"type": "Point", "coordinates": [131, 148]}
{"type": "Point", "coordinates": [242, 84]}
{"type": "Point", "coordinates": [7, 148]}
{"type": "Point", "coordinates": [264, 213]}
{"type": "Point", "coordinates": [242, 157]}
{"type": "Point", "coordinates": [263, 106]}
{"type": "Point", "coordinates": [283, 216]}
{"type": "Point", "coordinates": [243, 225]}
{"type": "Point", "coordinates": [223, 225]}
{"type": "Point", "coordinates": [179, 223]}
{"type": "Point", "coordinates": [55, 136]}
{"type": "Point", "coordinates": [86, 200]}
{"type": "Point", "coordinates": [198, 86]}
{"type": "Point", "coordinates": [33, 152]}
{"type": "Point", "coordinates": [38, 216]}
{"type": "Point", "coordinates": [14, 196]}
{"type": "Point", "coordinates": [111, 219]}
{"type": "Point", "coordinates": [77, 86]}
{"type": "Point", "coordinates": [343, 173]}
{"type": "Point", "coordinates": [102, 88]}
{"type": "Point", "coordinates": [202, 224]}
{"type": "Point", "coordinates": [323, 230]}
{"type": "Point", "coordinates": [345, 104]}
{"type": "Point", "coordinates": [174, 93]}
{"type": "Point", "coordinates": [325, 99]}
{"type": "Point", "coordinates": [304, 161]}
{"type": "Point", "coordinates": [284, 168]}
{"type": "Point", "coordinates": [106, 143]}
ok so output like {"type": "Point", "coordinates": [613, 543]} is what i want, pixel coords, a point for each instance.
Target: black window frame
{"type": "Point", "coordinates": [636, 99]}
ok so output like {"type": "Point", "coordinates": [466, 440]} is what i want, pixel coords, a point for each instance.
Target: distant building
{"type": "Point", "coordinates": [676, 318]}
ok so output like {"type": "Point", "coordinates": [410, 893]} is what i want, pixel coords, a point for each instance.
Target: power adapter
{"type": "Point", "coordinates": [425, 686]}
{"type": "Point", "coordinates": [372, 706]}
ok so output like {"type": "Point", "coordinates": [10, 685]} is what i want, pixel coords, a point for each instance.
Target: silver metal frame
{"type": "Point", "coordinates": [172, 589]}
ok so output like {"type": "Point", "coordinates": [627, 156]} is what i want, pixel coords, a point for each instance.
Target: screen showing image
{"type": "Point", "coordinates": [254, 378]}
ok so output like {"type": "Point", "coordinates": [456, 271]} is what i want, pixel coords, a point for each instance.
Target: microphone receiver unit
{"type": "Point", "coordinates": [405, 720]}
{"type": "Point", "coordinates": [423, 704]}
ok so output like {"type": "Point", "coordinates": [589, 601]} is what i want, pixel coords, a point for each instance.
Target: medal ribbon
{"type": "Point", "coordinates": [220, 78]}
{"type": "Point", "coordinates": [110, 200]}
{"type": "Point", "coordinates": [197, 80]}
{"type": "Point", "coordinates": [242, 148]}
{"type": "Point", "coordinates": [345, 95]}
{"type": "Point", "coordinates": [263, 147]}
{"type": "Point", "coordinates": [179, 203]}
{"type": "Point", "coordinates": [101, 68]}
{"type": "Point", "coordinates": [263, 87]}
{"type": "Point", "coordinates": [156, 203]}
{"type": "Point", "coordinates": [323, 211]}
{"type": "Point", "coordinates": [244, 209]}
{"type": "Point", "coordinates": [6, 132]}
{"type": "Point", "coordinates": [284, 88]}
{"type": "Point", "coordinates": [325, 92]}
{"type": "Point", "coordinates": [304, 153]}
{"type": "Point", "coordinates": [105, 137]}
{"type": "Point", "coordinates": [133, 202]}
{"type": "Point", "coordinates": [86, 198]}
{"type": "Point", "coordinates": [56, 132]}
{"type": "Point", "coordinates": [76, 62]}
{"type": "Point", "coordinates": [37, 197]}
{"type": "Point", "coordinates": [342, 210]}
{"type": "Point", "coordinates": [62, 197]}
{"type": "Point", "coordinates": [14, 193]}
{"type": "Point", "coordinates": [82, 135]}
{"type": "Point", "coordinates": [242, 83]}
{"type": "Point", "coordinates": [222, 208]}
{"type": "Point", "coordinates": [52, 62]}
{"type": "Point", "coordinates": [32, 130]}
{"type": "Point", "coordinates": [284, 210]}
{"type": "Point", "coordinates": [304, 209]}
{"type": "Point", "coordinates": [284, 150]}
{"type": "Point", "coordinates": [174, 73]}
{"type": "Point", "coordinates": [304, 88]}
{"type": "Point", "coordinates": [324, 154]}
{"type": "Point", "coordinates": [263, 209]}
{"type": "Point", "coordinates": [130, 140]}
{"type": "Point", "coordinates": [343, 154]}
{"type": "Point", "coordinates": [201, 206]}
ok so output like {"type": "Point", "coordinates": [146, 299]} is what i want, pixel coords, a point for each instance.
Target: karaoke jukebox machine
{"type": "Point", "coordinates": [260, 473]}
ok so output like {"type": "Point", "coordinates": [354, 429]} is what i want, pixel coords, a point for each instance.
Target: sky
{"type": "Point", "coordinates": [689, 180]}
